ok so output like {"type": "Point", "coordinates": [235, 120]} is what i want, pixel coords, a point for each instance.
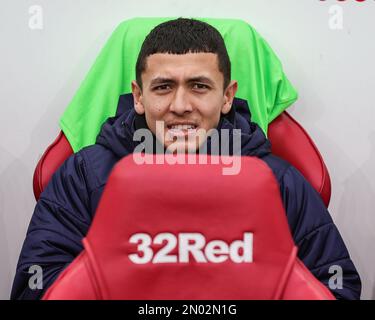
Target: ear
{"type": "Point", "coordinates": [137, 96]}
{"type": "Point", "coordinates": [229, 94]}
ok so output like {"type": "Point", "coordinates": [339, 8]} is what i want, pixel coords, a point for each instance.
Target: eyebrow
{"type": "Point", "coordinates": [160, 80]}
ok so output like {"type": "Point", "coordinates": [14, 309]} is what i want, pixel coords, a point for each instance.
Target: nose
{"type": "Point", "coordinates": [180, 103]}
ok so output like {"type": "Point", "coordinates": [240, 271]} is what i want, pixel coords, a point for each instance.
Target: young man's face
{"type": "Point", "coordinates": [186, 93]}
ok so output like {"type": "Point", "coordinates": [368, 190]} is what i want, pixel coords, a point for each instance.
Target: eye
{"type": "Point", "coordinates": [200, 86]}
{"type": "Point", "coordinates": [162, 87]}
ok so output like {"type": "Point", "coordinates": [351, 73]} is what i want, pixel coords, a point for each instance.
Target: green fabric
{"type": "Point", "coordinates": [261, 80]}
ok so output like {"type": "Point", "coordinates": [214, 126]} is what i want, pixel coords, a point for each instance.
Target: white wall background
{"type": "Point", "coordinates": [333, 70]}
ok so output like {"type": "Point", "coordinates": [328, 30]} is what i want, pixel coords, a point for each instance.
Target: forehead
{"type": "Point", "coordinates": [183, 65]}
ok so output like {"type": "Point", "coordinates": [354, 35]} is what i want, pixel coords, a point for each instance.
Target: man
{"type": "Point", "coordinates": [182, 79]}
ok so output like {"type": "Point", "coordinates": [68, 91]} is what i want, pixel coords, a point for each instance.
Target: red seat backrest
{"type": "Point", "coordinates": [51, 160]}
{"type": "Point", "coordinates": [181, 206]}
{"type": "Point", "coordinates": [292, 143]}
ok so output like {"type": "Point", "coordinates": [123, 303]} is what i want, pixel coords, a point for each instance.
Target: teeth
{"type": "Point", "coordinates": [183, 127]}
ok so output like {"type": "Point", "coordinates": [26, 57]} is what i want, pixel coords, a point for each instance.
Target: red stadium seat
{"type": "Point", "coordinates": [188, 242]}
{"type": "Point", "coordinates": [289, 141]}
{"type": "Point", "coordinates": [292, 143]}
{"type": "Point", "coordinates": [50, 161]}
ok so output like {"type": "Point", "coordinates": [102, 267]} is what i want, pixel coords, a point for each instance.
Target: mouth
{"type": "Point", "coordinates": [182, 129]}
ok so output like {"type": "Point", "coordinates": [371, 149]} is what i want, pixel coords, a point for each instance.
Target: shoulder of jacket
{"type": "Point", "coordinates": [98, 162]}
{"type": "Point", "coordinates": [278, 166]}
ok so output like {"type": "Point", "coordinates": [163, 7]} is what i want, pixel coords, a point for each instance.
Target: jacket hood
{"type": "Point", "coordinates": [117, 132]}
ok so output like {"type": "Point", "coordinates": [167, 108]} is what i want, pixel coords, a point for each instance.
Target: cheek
{"type": "Point", "coordinates": [154, 113]}
{"type": "Point", "coordinates": [154, 110]}
{"type": "Point", "coordinates": [210, 112]}
{"type": "Point", "coordinates": [156, 106]}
